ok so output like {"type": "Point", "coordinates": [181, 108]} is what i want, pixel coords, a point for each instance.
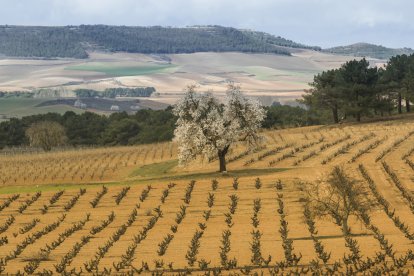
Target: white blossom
{"type": "Point", "coordinates": [207, 127]}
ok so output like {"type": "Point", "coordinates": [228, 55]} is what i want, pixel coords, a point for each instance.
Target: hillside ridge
{"type": "Point", "coordinates": [77, 41]}
{"type": "Point", "coordinates": [363, 49]}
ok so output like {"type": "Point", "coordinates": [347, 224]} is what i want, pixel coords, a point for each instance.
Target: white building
{"type": "Point", "coordinates": [79, 104]}
{"type": "Point", "coordinates": [114, 108]}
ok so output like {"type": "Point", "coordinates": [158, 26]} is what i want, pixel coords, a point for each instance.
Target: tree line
{"type": "Point", "coordinates": [76, 41]}
{"type": "Point", "coordinates": [145, 126]}
{"type": "Point", "coordinates": [45, 42]}
{"type": "Point", "coordinates": [115, 92]}
{"type": "Point", "coordinates": [83, 93]}
{"type": "Point", "coordinates": [16, 94]}
{"type": "Point", "coordinates": [359, 90]}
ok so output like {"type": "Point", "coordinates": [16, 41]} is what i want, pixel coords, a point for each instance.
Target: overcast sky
{"type": "Point", "coordinates": [324, 23]}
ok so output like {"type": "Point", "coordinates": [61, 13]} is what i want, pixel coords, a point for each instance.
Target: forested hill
{"type": "Point", "coordinates": [75, 41]}
{"type": "Point", "coordinates": [368, 50]}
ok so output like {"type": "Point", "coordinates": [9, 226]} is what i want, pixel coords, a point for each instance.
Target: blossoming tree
{"type": "Point", "coordinates": [207, 127]}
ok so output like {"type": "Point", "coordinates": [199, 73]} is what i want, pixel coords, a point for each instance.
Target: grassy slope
{"type": "Point", "coordinates": [164, 171]}
{"type": "Point", "coordinates": [17, 107]}
{"type": "Point", "coordinates": [118, 70]}
{"type": "Point", "coordinates": [139, 70]}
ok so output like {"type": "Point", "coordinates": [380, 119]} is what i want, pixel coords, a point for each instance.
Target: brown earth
{"type": "Point", "coordinates": [22, 172]}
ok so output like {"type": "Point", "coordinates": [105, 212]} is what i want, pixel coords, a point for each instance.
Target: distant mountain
{"type": "Point", "coordinates": [368, 50]}
{"type": "Point", "coordinates": [75, 41]}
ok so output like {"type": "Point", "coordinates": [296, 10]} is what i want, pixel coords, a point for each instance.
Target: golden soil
{"type": "Point", "coordinates": [118, 166]}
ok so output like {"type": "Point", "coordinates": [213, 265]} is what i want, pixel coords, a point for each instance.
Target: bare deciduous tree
{"type": "Point", "coordinates": [207, 127]}
{"type": "Point", "coordinates": [46, 135]}
{"type": "Point", "coordinates": [338, 196]}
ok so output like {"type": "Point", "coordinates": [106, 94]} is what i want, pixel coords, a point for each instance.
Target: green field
{"type": "Point", "coordinates": [118, 70]}
{"type": "Point", "coordinates": [19, 107]}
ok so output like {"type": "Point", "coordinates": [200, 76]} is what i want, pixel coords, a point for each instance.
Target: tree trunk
{"type": "Point", "coordinates": [222, 158]}
{"type": "Point", "coordinates": [345, 229]}
{"type": "Point", "coordinates": [407, 105]}
{"type": "Point", "coordinates": [399, 103]}
{"type": "Point", "coordinates": [335, 114]}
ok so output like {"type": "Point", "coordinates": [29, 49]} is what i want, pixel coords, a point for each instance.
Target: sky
{"type": "Point", "coordinates": [324, 23]}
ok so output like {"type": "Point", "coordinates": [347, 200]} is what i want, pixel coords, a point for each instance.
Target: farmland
{"type": "Point", "coordinates": [21, 107]}
{"type": "Point", "coordinates": [132, 209]}
{"type": "Point", "coordinates": [269, 77]}
{"type": "Point", "coordinates": [117, 70]}
{"type": "Point", "coordinates": [16, 107]}
{"type": "Point", "coordinates": [281, 77]}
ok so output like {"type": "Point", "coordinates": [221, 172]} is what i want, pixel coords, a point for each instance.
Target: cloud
{"type": "Point", "coordinates": [316, 22]}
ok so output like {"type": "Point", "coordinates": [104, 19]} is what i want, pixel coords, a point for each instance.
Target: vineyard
{"type": "Point", "coordinates": [79, 166]}
{"type": "Point", "coordinates": [130, 210]}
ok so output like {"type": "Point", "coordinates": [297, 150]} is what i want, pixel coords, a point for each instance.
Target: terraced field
{"type": "Point", "coordinates": [130, 210]}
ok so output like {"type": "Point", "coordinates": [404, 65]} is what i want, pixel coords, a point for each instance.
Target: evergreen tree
{"type": "Point", "coordinates": [394, 75]}
{"type": "Point", "coordinates": [359, 83]}
{"type": "Point", "coordinates": [327, 92]}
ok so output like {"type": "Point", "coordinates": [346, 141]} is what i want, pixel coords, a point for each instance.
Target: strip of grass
{"type": "Point", "coordinates": [155, 169]}
{"type": "Point", "coordinates": [218, 175]}
{"type": "Point", "coordinates": [151, 173]}
{"type": "Point", "coordinates": [121, 70]}
{"type": "Point", "coordinates": [163, 171]}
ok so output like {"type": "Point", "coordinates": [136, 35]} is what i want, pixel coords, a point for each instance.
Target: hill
{"type": "Point", "coordinates": [79, 41]}
{"type": "Point", "coordinates": [76, 41]}
{"type": "Point", "coordinates": [368, 50]}
{"type": "Point", "coordinates": [271, 78]}
{"type": "Point", "coordinates": [277, 76]}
